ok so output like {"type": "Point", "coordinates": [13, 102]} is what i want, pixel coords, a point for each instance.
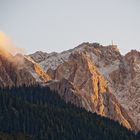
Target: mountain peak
{"type": "Point", "coordinates": [133, 53]}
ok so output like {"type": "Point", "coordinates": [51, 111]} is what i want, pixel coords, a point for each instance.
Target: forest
{"type": "Point", "coordinates": [37, 113]}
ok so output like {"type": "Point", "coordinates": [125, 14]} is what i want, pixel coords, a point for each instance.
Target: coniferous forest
{"type": "Point", "coordinates": [36, 113]}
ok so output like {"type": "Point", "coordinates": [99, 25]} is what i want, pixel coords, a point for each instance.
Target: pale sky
{"type": "Point", "coordinates": [57, 25]}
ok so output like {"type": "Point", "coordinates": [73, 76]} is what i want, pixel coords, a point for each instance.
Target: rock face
{"type": "Point", "coordinates": [126, 86]}
{"type": "Point", "coordinates": [69, 92]}
{"type": "Point", "coordinates": [97, 78]}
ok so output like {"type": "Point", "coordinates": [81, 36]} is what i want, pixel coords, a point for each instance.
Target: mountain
{"type": "Point", "coordinates": [91, 76]}
{"type": "Point", "coordinates": [97, 78]}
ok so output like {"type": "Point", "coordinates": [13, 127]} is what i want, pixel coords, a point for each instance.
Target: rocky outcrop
{"type": "Point", "coordinates": [35, 69]}
{"type": "Point", "coordinates": [68, 92]}
{"type": "Point", "coordinates": [39, 56]}
{"type": "Point", "coordinates": [126, 86]}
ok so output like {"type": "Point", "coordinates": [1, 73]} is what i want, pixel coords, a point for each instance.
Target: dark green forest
{"type": "Point", "coordinates": [36, 113]}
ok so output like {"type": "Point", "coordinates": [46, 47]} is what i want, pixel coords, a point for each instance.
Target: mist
{"type": "Point", "coordinates": [7, 44]}
{"type": "Point", "coordinates": [10, 52]}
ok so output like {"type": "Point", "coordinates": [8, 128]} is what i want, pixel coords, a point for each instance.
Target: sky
{"type": "Point", "coordinates": [57, 25]}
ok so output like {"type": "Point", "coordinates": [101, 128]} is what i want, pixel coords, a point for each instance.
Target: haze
{"type": "Point", "coordinates": [57, 25]}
